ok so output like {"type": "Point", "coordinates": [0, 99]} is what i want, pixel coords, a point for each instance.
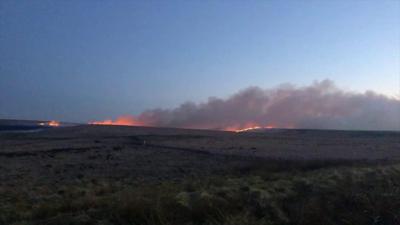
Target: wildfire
{"type": "Point", "coordinates": [121, 121]}
{"type": "Point", "coordinates": [129, 120]}
{"type": "Point", "coordinates": [254, 128]}
{"type": "Point", "coordinates": [248, 126]}
{"type": "Point", "coordinates": [52, 123]}
{"type": "Point", "coordinates": [247, 129]}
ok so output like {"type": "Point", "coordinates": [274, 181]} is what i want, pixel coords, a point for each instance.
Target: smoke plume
{"type": "Point", "coordinates": [321, 105]}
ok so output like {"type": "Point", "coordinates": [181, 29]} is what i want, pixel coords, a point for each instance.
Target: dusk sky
{"type": "Point", "coordinates": [88, 60]}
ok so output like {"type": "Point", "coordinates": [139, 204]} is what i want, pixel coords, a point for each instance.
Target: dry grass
{"type": "Point", "coordinates": [106, 175]}
{"type": "Point", "coordinates": [290, 193]}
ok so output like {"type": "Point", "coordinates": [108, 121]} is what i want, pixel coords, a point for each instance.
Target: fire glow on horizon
{"type": "Point", "coordinates": [52, 123]}
{"type": "Point", "coordinates": [251, 126]}
{"type": "Point", "coordinates": [321, 105]}
{"type": "Point", "coordinates": [131, 121]}
{"type": "Point", "coordinates": [120, 121]}
{"type": "Point", "coordinates": [123, 122]}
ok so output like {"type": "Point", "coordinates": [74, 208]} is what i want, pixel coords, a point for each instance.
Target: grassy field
{"type": "Point", "coordinates": [159, 176]}
{"type": "Point", "coordinates": [274, 192]}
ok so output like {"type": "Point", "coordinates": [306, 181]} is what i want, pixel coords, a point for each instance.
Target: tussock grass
{"type": "Point", "coordinates": [273, 193]}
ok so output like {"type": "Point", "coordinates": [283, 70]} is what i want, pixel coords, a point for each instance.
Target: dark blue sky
{"type": "Point", "coordinates": [89, 60]}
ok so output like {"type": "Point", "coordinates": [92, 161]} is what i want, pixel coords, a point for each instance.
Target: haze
{"type": "Point", "coordinates": [84, 61]}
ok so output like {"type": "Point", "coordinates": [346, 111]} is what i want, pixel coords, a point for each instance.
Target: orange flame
{"type": "Point", "coordinates": [52, 123]}
{"type": "Point", "coordinates": [121, 121]}
{"type": "Point", "coordinates": [129, 120]}
{"type": "Point", "coordinates": [254, 128]}
{"type": "Point", "coordinates": [249, 126]}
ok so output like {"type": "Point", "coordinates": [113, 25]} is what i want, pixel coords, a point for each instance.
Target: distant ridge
{"type": "Point", "coordinates": [29, 125]}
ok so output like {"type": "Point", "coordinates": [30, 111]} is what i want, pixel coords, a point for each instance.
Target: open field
{"type": "Point", "coordinates": [137, 175]}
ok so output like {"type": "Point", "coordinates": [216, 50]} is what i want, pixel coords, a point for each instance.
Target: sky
{"type": "Point", "coordinates": [88, 60]}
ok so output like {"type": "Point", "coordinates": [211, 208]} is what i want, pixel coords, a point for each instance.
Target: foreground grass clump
{"type": "Point", "coordinates": [306, 195]}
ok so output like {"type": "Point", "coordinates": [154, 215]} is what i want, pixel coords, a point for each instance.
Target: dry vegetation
{"type": "Point", "coordinates": [104, 175]}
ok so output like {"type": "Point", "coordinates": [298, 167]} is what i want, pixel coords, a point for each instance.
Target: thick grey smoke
{"type": "Point", "coordinates": [321, 105]}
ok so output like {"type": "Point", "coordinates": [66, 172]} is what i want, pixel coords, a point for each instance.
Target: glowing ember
{"type": "Point", "coordinates": [247, 129]}
{"type": "Point", "coordinates": [121, 121]}
{"type": "Point", "coordinates": [254, 128]}
{"type": "Point", "coordinates": [52, 123]}
{"type": "Point", "coordinates": [248, 126]}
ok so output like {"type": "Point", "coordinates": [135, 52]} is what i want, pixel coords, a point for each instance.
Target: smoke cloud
{"type": "Point", "coordinates": [322, 105]}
